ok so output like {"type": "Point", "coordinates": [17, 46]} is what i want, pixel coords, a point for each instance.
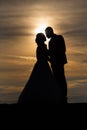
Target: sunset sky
{"type": "Point", "coordinates": [20, 20]}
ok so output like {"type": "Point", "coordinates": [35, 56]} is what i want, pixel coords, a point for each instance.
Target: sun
{"type": "Point", "coordinates": [40, 28]}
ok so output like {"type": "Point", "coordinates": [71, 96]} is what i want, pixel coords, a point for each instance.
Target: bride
{"type": "Point", "coordinates": [41, 86]}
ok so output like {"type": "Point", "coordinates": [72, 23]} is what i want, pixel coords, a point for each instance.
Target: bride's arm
{"type": "Point", "coordinates": [48, 55]}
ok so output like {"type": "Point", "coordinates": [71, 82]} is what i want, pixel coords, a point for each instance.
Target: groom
{"type": "Point", "coordinates": [57, 53]}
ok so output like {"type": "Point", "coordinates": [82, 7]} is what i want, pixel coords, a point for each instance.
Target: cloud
{"type": "Point", "coordinates": [13, 31]}
{"type": "Point", "coordinates": [22, 2]}
{"type": "Point", "coordinates": [12, 63]}
{"type": "Point", "coordinates": [19, 57]}
{"type": "Point", "coordinates": [76, 33]}
{"type": "Point", "coordinates": [78, 93]}
{"type": "Point", "coordinates": [14, 73]}
{"type": "Point", "coordinates": [9, 94]}
{"type": "Point", "coordinates": [81, 57]}
{"type": "Point", "coordinates": [16, 2]}
{"type": "Point", "coordinates": [15, 70]}
{"type": "Point", "coordinates": [77, 99]}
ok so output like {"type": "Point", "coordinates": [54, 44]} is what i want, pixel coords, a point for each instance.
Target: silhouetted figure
{"type": "Point", "coordinates": [41, 86]}
{"type": "Point", "coordinates": [57, 53]}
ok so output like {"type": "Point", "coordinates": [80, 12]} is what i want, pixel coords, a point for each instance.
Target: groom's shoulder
{"type": "Point", "coordinates": [57, 36]}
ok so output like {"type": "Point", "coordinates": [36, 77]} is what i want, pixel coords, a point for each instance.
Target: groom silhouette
{"type": "Point", "coordinates": [57, 54]}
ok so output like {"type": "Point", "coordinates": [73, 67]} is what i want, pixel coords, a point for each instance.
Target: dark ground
{"type": "Point", "coordinates": [44, 108]}
{"type": "Point", "coordinates": [43, 115]}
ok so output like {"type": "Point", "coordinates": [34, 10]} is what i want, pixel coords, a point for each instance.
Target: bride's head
{"type": "Point", "coordinates": [40, 38]}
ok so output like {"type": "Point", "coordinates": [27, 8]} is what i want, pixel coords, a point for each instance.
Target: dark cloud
{"type": "Point", "coordinates": [14, 16]}
{"type": "Point", "coordinates": [79, 93]}
{"type": "Point", "coordinates": [84, 61]}
{"type": "Point", "coordinates": [77, 98]}
{"type": "Point", "coordinates": [22, 2]}
{"type": "Point", "coordinates": [13, 35]}
{"type": "Point", "coordinates": [76, 78]}
{"type": "Point", "coordinates": [13, 31]}
{"type": "Point", "coordinates": [76, 33]}
{"type": "Point", "coordinates": [15, 2]}
{"type": "Point", "coordinates": [80, 57]}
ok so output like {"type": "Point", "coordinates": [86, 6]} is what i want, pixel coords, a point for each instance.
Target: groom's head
{"type": "Point", "coordinates": [49, 32]}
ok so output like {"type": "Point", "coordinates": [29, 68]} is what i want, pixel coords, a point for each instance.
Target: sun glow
{"type": "Point", "coordinates": [41, 28]}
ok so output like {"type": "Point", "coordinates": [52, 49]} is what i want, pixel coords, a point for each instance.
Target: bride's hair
{"type": "Point", "coordinates": [40, 38]}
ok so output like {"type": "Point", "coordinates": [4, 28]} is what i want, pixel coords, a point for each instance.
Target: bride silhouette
{"type": "Point", "coordinates": [41, 86]}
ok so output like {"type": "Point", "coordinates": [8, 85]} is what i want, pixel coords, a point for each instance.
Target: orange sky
{"type": "Point", "coordinates": [19, 23]}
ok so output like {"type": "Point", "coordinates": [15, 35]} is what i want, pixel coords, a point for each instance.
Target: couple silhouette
{"type": "Point", "coordinates": [47, 83]}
